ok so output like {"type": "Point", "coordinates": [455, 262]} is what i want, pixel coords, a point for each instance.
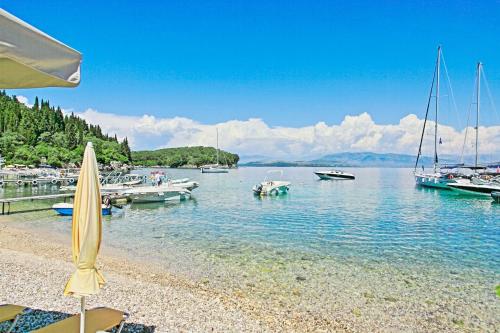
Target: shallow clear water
{"type": "Point", "coordinates": [380, 223]}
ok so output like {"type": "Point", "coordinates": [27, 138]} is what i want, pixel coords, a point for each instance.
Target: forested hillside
{"type": "Point", "coordinates": [43, 133]}
{"type": "Point", "coordinates": [178, 157]}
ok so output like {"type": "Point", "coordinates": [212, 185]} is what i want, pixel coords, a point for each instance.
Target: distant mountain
{"type": "Point", "coordinates": [375, 160]}
{"type": "Point", "coordinates": [364, 159]}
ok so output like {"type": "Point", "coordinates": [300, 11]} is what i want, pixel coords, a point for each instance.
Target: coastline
{"type": "Point", "coordinates": [36, 267]}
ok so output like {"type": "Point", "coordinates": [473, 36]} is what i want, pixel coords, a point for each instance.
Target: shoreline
{"type": "Point", "coordinates": [285, 292]}
{"type": "Point", "coordinates": [152, 296]}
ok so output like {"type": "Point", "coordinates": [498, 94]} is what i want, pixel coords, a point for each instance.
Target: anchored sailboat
{"type": "Point", "coordinates": [477, 185]}
{"type": "Point", "coordinates": [215, 168]}
{"type": "Point", "coordinates": [435, 179]}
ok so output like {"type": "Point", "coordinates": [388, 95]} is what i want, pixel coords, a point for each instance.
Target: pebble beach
{"type": "Point", "coordinates": [35, 270]}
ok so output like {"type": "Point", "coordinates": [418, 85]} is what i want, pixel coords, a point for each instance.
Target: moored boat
{"type": "Point", "coordinates": [334, 174]}
{"type": "Point", "coordinates": [214, 169]}
{"type": "Point", "coordinates": [163, 193]}
{"type": "Point", "coordinates": [477, 187]}
{"type": "Point", "coordinates": [66, 209]}
{"type": "Point", "coordinates": [272, 187]}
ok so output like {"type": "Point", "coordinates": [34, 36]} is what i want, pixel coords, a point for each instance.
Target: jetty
{"type": "Point", "coordinates": [8, 201]}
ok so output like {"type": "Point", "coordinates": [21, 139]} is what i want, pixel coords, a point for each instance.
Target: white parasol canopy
{"type": "Point", "coordinates": [30, 58]}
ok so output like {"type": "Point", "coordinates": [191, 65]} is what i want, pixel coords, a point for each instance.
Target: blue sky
{"type": "Point", "coordinates": [290, 63]}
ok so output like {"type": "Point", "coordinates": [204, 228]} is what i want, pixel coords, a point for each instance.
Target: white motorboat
{"type": "Point", "coordinates": [272, 187]}
{"type": "Point", "coordinates": [185, 183]}
{"type": "Point", "coordinates": [334, 174]}
{"type": "Point", "coordinates": [162, 193]}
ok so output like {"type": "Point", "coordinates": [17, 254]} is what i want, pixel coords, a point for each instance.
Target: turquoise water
{"type": "Point", "coordinates": [379, 235]}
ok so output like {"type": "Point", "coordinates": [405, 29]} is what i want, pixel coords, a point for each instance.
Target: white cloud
{"type": "Point", "coordinates": [24, 100]}
{"type": "Point", "coordinates": [255, 137]}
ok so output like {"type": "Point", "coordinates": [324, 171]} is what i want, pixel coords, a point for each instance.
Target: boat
{"type": "Point", "coordinates": [496, 196]}
{"type": "Point", "coordinates": [162, 193]}
{"type": "Point", "coordinates": [486, 182]}
{"type": "Point", "coordinates": [334, 174]}
{"type": "Point", "coordinates": [477, 187]}
{"type": "Point", "coordinates": [436, 178]}
{"type": "Point", "coordinates": [184, 183]}
{"type": "Point", "coordinates": [66, 209]}
{"type": "Point", "coordinates": [216, 168]}
{"type": "Point", "coordinates": [272, 187]}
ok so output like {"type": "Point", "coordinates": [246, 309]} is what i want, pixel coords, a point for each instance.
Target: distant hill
{"type": "Point", "coordinates": [374, 160]}
{"type": "Point", "coordinates": [183, 156]}
{"type": "Point", "coordinates": [364, 159]}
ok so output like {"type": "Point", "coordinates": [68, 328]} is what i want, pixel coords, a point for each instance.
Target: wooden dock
{"type": "Point", "coordinates": [8, 201]}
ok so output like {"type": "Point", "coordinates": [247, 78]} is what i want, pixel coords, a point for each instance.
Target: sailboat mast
{"type": "Point", "coordinates": [438, 62]}
{"type": "Point", "coordinates": [478, 100]}
{"type": "Point", "coordinates": [217, 146]}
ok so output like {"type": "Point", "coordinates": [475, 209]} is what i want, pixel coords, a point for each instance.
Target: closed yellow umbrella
{"type": "Point", "coordinates": [86, 235]}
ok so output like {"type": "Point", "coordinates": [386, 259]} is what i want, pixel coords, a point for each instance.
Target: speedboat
{"type": "Point", "coordinates": [66, 209]}
{"type": "Point", "coordinates": [334, 174]}
{"type": "Point", "coordinates": [272, 187]}
{"type": "Point", "coordinates": [183, 183]}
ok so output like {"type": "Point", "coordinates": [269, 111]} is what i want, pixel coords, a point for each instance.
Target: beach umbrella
{"type": "Point", "coordinates": [30, 58]}
{"type": "Point", "coordinates": [86, 233]}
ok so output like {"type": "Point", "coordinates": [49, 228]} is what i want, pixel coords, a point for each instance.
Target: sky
{"type": "Point", "coordinates": [283, 67]}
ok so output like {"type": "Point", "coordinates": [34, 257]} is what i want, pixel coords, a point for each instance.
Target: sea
{"type": "Point", "coordinates": [376, 250]}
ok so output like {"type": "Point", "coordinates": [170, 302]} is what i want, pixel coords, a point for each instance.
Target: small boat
{"type": "Point", "coordinates": [163, 193]}
{"type": "Point", "coordinates": [272, 187]}
{"type": "Point", "coordinates": [66, 209]}
{"type": "Point", "coordinates": [214, 169]}
{"type": "Point", "coordinates": [496, 196]}
{"type": "Point", "coordinates": [334, 174]}
{"type": "Point", "coordinates": [184, 183]}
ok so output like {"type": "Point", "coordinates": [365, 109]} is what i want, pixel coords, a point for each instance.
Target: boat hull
{"type": "Point", "coordinates": [68, 211]}
{"type": "Point", "coordinates": [214, 170]}
{"type": "Point", "coordinates": [158, 197]}
{"type": "Point", "coordinates": [496, 196]}
{"type": "Point", "coordinates": [433, 181]}
{"type": "Point", "coordinates": [471, 189]}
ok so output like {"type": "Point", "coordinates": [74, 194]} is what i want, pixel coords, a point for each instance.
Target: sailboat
{"type": "Point", "coordinates": [215, 168]}
{"type": "Point", "coordinates": [477, 185]}
{"type": "Point", "coordinates": [435, 179]}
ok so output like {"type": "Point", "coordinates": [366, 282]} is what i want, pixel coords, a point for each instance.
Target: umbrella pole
{"type": "Point", "coordinates": [82, 315]}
